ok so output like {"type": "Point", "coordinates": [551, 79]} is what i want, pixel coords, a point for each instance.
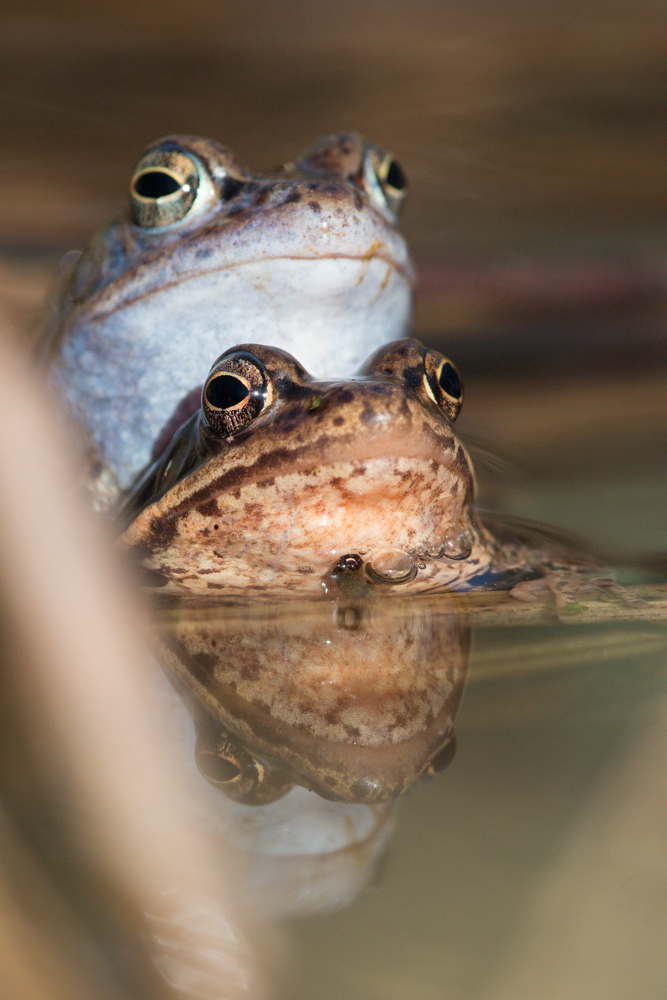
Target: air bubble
{"type": "Point", "coordinates": [391, 566]}
{"type": "Point", "coordinates": [458, 542]}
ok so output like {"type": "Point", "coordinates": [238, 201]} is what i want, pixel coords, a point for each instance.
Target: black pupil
{"type": "Point", "coordinates": [219, 769]}
{"type": "Point", "coordinates": [444, 757]}
{"type": "Point", "coordinates": [156, 184]}
{"type": "Point", "coordinates": [449, 381]}
{"type": "Point", "coordinates": [224, 391]}
{"type": "Point", "coordinates": [395, 177]}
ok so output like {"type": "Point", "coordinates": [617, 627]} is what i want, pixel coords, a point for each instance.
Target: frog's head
{"type": "Point", "coordinates": [210, 254]}
{"type": "Point", "coordinates": [282, 483]}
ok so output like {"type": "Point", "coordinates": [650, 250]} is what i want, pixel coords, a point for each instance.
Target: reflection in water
{"type": "Point", "coordinates": [355, 702]}
{"type": "Point", "coordinates": [305, 854]}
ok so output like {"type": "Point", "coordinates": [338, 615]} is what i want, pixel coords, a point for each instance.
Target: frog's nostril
{"type": "Point", "coordinates": [349, 563]}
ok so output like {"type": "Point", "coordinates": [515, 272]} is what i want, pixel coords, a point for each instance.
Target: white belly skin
{"type": "Point", "coordinates": [123, 371]}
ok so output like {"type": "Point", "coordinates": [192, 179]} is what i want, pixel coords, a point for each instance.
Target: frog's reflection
{"type": "Point", "coordinates": [354, 702]}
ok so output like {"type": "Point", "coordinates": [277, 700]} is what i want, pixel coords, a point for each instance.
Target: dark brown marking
{"type": "Point", "coordinates": [160, 534]}
{"type": "Point", "coordinates": [209, 508]}
{"type": "Point", "coordinates": [206, 661]}
{"type": "Point", "coordinates": [412, 377]}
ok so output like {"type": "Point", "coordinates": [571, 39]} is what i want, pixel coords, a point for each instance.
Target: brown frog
{"type": "Point", "coordinates": [283, 485]}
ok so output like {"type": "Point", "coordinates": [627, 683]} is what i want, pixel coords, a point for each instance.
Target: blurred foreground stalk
{"type": "Point", "coordinates": [108, 888]}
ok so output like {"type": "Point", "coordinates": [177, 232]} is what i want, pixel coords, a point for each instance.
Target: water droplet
{"type": "Point", "coordinates": [421, 565]}
{"type": "Point", "coordinates": [362, 551]}
{"type": "Point", "coordinates": [392, 566]}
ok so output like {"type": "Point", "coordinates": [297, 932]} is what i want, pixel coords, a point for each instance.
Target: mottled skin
{"type": "Point", "coordinates": [308, 257]}
{"type": "Point", "coordinates": [369, 467]}
{"type": "Point", "coordinates": [357, 706]}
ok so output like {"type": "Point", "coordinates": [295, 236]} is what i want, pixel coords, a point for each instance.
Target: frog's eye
{"type": "Point", "coordinates": [442, 383]}
{"type": "Point", "coordinates": [235, 393]}
{"type": "Point", "coordinates": [385, 182]}
{"type": "Point", "coordinates": [228, 766]}
{"type": "Point", "coordinates": [168, 186]}
{"type": "Point", "coordinates": [442, 759]}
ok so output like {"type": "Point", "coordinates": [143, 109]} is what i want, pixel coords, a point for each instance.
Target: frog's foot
{"type": "Point", "coordinates": [569, 589]}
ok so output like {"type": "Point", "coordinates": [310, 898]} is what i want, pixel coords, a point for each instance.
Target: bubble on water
{"type": "Point", "coordinates": [457, 542]}
{"type": "Point", "coordinates": [391, 566]}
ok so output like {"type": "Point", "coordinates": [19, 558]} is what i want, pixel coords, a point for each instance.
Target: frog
{"type": "Point", "coordinates": [208, 253]}
{"type": "Point", "coordinates": [285, 485]}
